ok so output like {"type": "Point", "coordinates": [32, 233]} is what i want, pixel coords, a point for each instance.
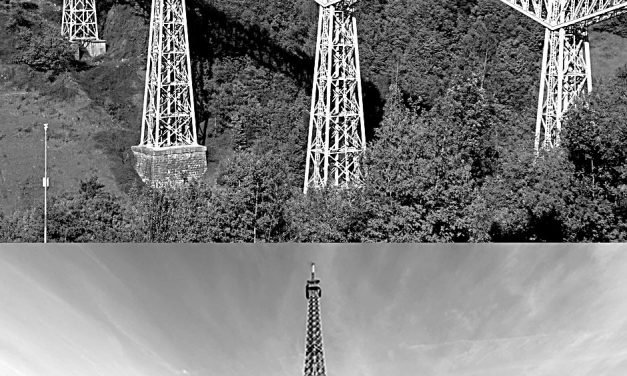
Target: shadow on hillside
{"type": "Point", "coordinates": [214, 34]}
{"type": "Point", "coordinates": [224, 36]}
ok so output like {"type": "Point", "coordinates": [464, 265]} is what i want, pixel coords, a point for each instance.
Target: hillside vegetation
{"type": "Point", "coordinates": [450, 93]}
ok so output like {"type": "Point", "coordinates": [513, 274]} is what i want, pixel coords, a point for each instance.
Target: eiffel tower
{"type": "Point", "coordinates": [314, 354]}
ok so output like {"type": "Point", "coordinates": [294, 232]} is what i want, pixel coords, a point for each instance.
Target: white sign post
{"type": "Point", "coordinates": [46, 183]}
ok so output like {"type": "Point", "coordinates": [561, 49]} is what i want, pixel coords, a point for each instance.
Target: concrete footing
{"type": "Point", "coordinates": [170, 167]}
{"type": "Point", "coordinates": [96, 47]}
{"type": "Point", "coordinates": [93, 48]}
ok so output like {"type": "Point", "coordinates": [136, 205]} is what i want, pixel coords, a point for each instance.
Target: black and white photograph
{"type": "Point", "coordinates": [313, 187]}
{"type": "Point", "coordinates": [99, 310]}
{"type": "Point", "coordinates": [313, 121]}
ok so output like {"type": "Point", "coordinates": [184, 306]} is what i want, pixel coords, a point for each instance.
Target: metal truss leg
{"type": "Point", "coordinates": [566, 74]}
{"type": "Point", "coordinates": [79, 21]}
{"type": "Point", "coordinates": [79, 24]}
{"type": "Point", "coordinates": [336, 136]}
{"type": "Point", "coordinates": [168, 153]}
{"type": "Point", "coordinates": [168, 118]}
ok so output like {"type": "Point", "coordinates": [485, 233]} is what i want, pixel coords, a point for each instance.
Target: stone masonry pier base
{"type": "Point", "coordinates": [170, 167]}
{"type": "Point", "coordinates": [96, 47]}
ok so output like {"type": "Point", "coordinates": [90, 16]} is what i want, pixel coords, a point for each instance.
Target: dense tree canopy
{"type": "Point", "coordinates": [450, 89]}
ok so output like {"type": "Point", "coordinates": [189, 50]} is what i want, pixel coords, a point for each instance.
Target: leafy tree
{"type": "Point", "coordinates": [425, 170]}
{"type": "Point", "coordinates": [24, 226]}
{"type": "Point", "coordinates": [90, 215]}
{"type": "Point", "coordinates": [40, 45]}
{"type": "Point", "coordinates": [260, 182]}
{"type": "Point", "coordinates": [542, 200]}
{"type": "Point", "coordinates": [332, 215]}
{"type": "Point", "coordinates": [595, 133]}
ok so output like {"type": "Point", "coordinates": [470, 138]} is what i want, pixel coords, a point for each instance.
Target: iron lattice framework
{"type": "Point", "coordinates": [314, 354]}
{"type": "Point", "coordinates": [168, 118]}
{"type": "Point", "coordinates": [557, 14]}
{"type": "Point", "coordinates": [337, 135]}
{"type": "Point", "coordinates": [79, 22]}
{"type": "Point", "coordinates": [566, 71]}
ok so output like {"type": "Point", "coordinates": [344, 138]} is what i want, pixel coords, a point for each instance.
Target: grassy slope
{"type": "Point", "coordinates": [27, 100]}
{"type": "Point", "coordinates": [72, 153]}
{"type": "Point", "coordinates": [608, 52]}
{"type": "Point", "coordinates": [94, 115]}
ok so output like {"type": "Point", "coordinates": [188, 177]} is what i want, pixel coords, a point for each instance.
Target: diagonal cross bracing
{"type": "Point", "coordinates": [556, 14]}
{"type": "Point", "coordinates": [168, 117]}
{"type": "Point", "coordinates": [79, 22]}
{"type": "Point", "coordinates": [336, 136]}
{"type": "Point", "coordinates": [566, 71]}
{"type": "Point", "coordinates": [314, 353]}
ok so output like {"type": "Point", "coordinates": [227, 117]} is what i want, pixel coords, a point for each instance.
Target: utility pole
{"type": "Point", "coordinates": [46, 183]}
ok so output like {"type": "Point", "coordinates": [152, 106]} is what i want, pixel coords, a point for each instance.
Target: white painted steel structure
{"type": "Point", "coordinates": [337, 135]}
{"type": "Point", "coordinates": [46, 183]}
{"type": "Point", "coordinates": [168, 118]}
{"type": "Point", "coordinates": [566, 71]}
{"type": "Point", "coordinates": [79, 22]}
{"type": "Point", "coordinates": [557, 14]}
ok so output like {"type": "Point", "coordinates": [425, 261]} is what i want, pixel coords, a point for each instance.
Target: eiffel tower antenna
{"type": "Point", "coordinates": [168, 154]}
{"type": "Point", "coordinates": [314, 354]}
{"type": "Point", "coordinates": [566, 71]}
{"type": "Point", "coordinates": [337, 136]}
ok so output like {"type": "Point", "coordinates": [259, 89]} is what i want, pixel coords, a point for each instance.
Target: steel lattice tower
{"type": "Point", "coordinates": [314, 354]}
{"type": "Point", "coordinates": [168, 153]}
{"type": "Point", "coordinates": [337, 135]}
{"type": "Point", "coordinates": [566, 71]}
{"type": "Point", "coordinates": [79, 24]}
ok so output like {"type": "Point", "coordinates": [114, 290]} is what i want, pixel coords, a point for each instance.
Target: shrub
{"type": "Point", "coordinates": [38, 44]}
{"type": "Point", "coordinates": [44, 51]}
{"type": "Point", "coordinates": [18, 19]}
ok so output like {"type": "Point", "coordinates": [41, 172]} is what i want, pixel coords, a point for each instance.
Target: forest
{"type": "Point", "coordinates": [450, 95]}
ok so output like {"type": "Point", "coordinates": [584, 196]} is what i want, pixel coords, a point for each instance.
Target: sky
{"type": "Point", "coordinates": [386, 310]}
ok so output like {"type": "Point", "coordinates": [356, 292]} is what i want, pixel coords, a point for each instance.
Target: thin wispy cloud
{"type": "Point", "coordinates": [102, 311]}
